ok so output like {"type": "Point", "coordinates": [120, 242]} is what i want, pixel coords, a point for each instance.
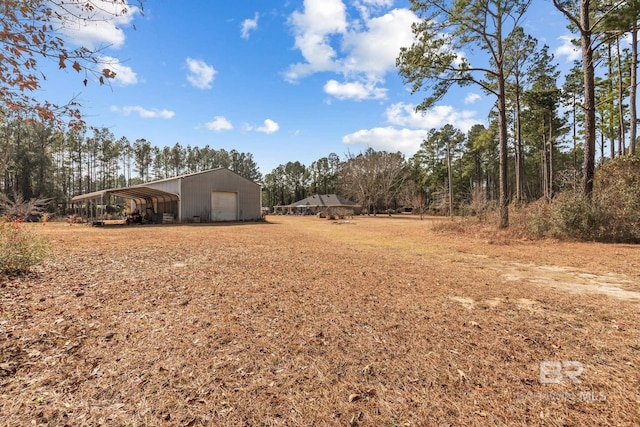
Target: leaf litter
{"type": "Point", "coordinates": [297, 322]}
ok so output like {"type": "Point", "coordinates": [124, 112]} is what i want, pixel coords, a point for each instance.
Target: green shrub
{"type": "Point", "coordinates": [20, 249]}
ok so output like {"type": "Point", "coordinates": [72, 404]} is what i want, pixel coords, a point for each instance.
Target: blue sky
{"type": "Point", "coordinates": [288, 80]}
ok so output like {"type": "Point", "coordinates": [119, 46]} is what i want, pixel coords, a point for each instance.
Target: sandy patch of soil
{"type": "Point", "coordinates": [564, 278]}
{"type": "Point", "coordinates": [572, 280]}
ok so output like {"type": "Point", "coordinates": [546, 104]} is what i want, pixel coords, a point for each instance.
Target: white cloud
{"type": "Point", "coordinates": [471, 98]}
{"type": "Point", "coordinates": [124, 74]}
{"type": "Point", "coordinates": [219, 123]}
{"type": "Point", "coordinates": [200, 74]}
{"type": "Point", "coordinates": [269, 127]}
{"type": "Point", "coordinates": [409, 128]}
{"type": "Point", "coordinates": [374, 50]}
{"type": "Point", "coordinates": [568, 49]}
{"type": "Point", "coordinates": [401, 114]}
{"type": "Point", "coordinates": [378, 3]}
{"type": "Point", "coordinates": [96, 27]}
{"type": "Point", "coordinates": [362, 50]}
{"type": "Point", "coordinates": [249, 25]}
{"type": "Point", "coordinates": [366, 7]}
{"type": "Point", "coordinates": [388, 138]}
{"type": "Point", "coordinates": [312, 28]}
{"type": "Point", "coordinates": [355, 90]}
{"type": "Point", "coordinates": [144, 113]}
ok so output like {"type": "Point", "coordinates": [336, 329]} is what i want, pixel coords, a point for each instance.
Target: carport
{"type": "Point", "coordinates": [160, 206]}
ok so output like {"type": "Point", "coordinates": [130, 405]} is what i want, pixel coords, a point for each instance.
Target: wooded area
{"type": "Point", "coordinates": [48, 164]}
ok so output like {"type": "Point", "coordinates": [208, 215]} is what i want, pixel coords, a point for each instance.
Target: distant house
{"type": "Point", "coordinates": [319, 204]}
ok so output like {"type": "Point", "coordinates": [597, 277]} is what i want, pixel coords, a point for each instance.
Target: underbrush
{"type": "Point", "coordinates": [611, 214]}
{"type": "Point", "coordinates": [20, 248]}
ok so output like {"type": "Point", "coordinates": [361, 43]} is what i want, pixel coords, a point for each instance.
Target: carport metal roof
{"type": "Point", "coordinates": [137, 193]}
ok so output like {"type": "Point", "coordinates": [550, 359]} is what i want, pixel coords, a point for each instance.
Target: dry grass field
{"type": "Point", "coordinates": [303, 321]}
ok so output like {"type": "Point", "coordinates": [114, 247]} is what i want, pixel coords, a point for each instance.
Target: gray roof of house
{"type": "Point", "coordinates": [324, 200]}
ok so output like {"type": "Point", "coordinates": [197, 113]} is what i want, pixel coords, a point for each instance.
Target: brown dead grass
{"type": "Point", "coordinates": [302, 321]}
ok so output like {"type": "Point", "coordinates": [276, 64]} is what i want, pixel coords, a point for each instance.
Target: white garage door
{"type": "Point", "coordinates": [224, 206]}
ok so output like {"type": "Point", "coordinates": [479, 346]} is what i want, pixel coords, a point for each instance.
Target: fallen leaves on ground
{"type": "Point", "coordinates": [295, 321]}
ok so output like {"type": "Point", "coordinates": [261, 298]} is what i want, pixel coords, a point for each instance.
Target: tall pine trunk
{"type": "Point", "coordinates": [589, 99]}
{"type": "Point", "coordinates": [621, 132]}
{"type": "Point", "coordinates": [543, 169]}
{"type": "Point", "coordinates": [550, 191]}
{"type": "Point", "coordinates": [502, 125]}
{"type": "Point", "coordinates": [519, 155]}
{"type": "Point", "coordinates": [634, 88]}
{"type": "Point", "coordinates": [612, 139]}
{"type": "Point", "coordinates": [575, 136]}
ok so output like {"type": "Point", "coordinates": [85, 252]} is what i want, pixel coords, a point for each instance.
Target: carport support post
{"type": "Point", "coordinates": [179, 219]}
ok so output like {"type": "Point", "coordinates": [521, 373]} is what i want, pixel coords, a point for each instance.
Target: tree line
{"type": "Point", "coordinates": [46, 163]}
{"type": "Point", "coordinates": [371, 178]}
{"type": "Point", "coordinates": [604, 87]}
{"type": "Point", "coordinates": [543, 135]}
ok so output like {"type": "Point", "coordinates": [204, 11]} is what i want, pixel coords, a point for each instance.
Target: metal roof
{"type": "Point", "coordinates": [142, 192]}
{"type": "Point", "coordinates": [322, 200]}
{"type": "Point", "coordinates": [137, 192]}
{"type": "Point", "coordinates": [89, 196]}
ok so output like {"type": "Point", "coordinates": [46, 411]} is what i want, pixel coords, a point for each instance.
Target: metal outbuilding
{"type": "Point", "coordinates": [209, 196]}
